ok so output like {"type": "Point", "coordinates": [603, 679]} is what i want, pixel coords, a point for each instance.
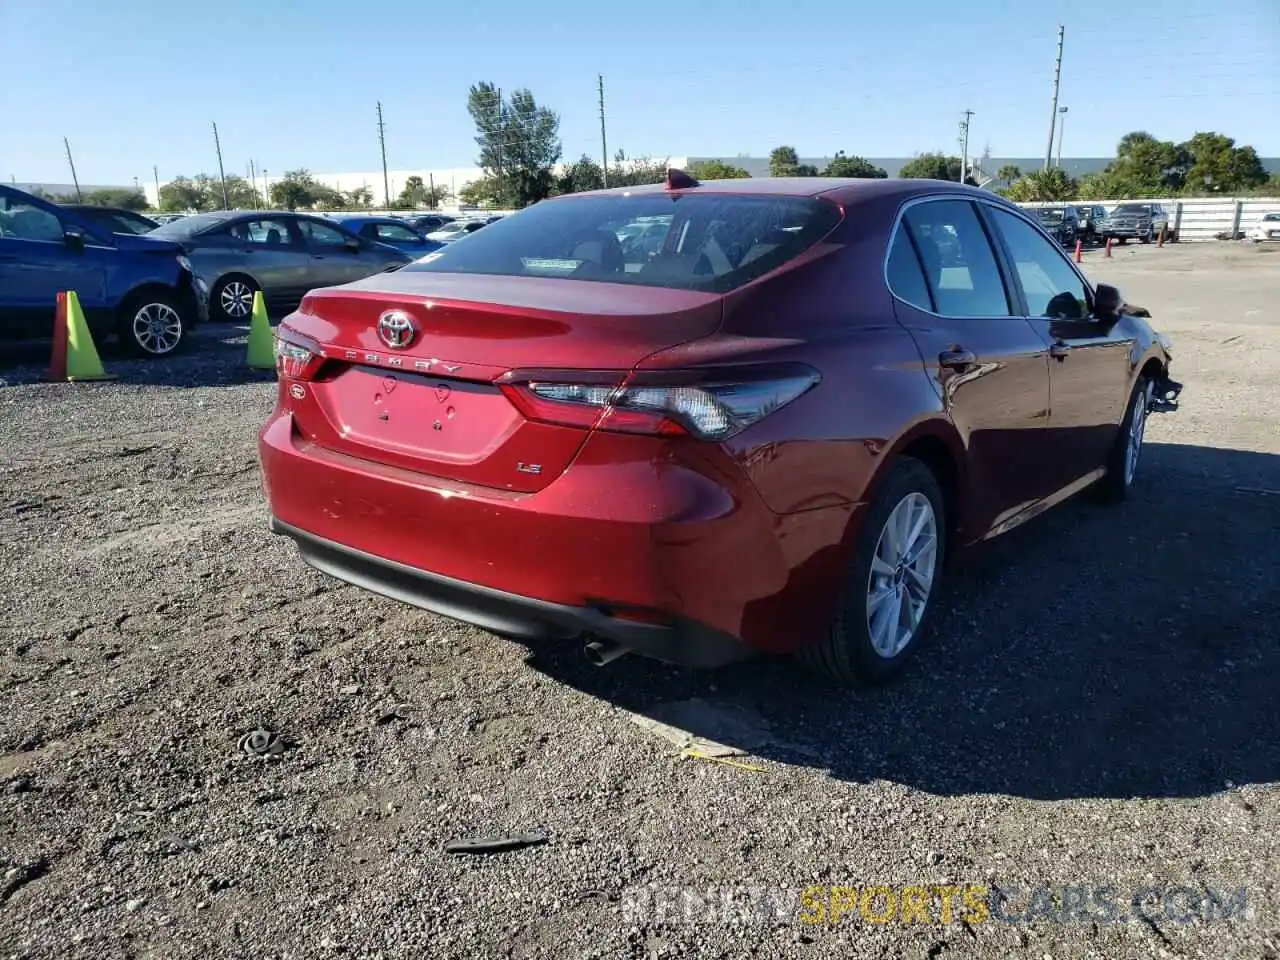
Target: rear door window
{"type": "Point", "coordinates": [265, 233]}
{"type": "Point", "coordinates": [959, 264]}
{"type": "Point", "coordinates": [709, 242]}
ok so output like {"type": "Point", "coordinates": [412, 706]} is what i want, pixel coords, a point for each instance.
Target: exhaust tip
{"type": "Point", "coordinates": [599, 653]}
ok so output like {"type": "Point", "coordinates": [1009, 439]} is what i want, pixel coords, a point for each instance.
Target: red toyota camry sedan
{"type": "Point", "coordinates": [697, 421]}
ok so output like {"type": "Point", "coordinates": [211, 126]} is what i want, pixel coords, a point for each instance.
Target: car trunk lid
{"type": "Point", "coordinates": [430, 404]}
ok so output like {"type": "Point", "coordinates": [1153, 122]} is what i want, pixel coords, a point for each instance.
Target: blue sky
{"type": "Point", "coordinates": [293, 84]}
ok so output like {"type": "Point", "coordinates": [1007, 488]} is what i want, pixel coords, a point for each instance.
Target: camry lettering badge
{"type": "Point", "coordinates": [396, 329]}
{"type": "Point", "coordinates": [442, 392]}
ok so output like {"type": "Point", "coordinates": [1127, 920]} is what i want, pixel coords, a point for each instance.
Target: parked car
{"type": "Point", "coordinates": [1091, 216]}
{"type": "Point", "coordinates": [456, 230]}
{"type": "Point", "coordinates": [1137, 221]}
{"type": "Point", "coordinates": [163, 218]}
{"type": "Point", "coordinates": [237, 253]}
{"type": "Point", "coordinates": [426, 222]}
{"type": "Point", "coordinates": [1266, 227]}
{"type": "Point", "coordinates": [115, 219]}
{"type": "Point", "coordinates": [392, 231]}
{"type": "Point", "coordinates": [769, 437]}
{"type": "Point", "coordinates": [1061, 223]}
{"type": "Point", "coordinates": [139, 289]}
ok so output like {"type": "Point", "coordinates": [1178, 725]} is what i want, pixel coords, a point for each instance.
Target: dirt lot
{"type": "Point", "coordinates": [1098, 708]}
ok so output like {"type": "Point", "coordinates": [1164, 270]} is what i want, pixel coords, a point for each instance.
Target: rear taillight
{"type": "Point", "coordinates": [708, 404]}
{"type": "Point", "coordinates": [295, 357]}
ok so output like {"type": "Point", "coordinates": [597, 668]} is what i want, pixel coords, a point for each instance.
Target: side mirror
{"type": "Point", "coordinates": [351, 244]}
{"type": "Point", "coordinates": [1107, 302]}
{"type": "Point", "coordinates": [74, 238]}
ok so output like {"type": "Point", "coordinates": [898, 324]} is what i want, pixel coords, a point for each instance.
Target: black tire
{"type": "Point", "coordinates": [1117, 481]}
{"type": "Point", "coordinates": [152, 324]}
{"type": "Point", "coordinates": [847, 654]}
{"type": "Point", "coordinates": [1147, 237]}
{"type": "Point", "coordinates": [235, 291]}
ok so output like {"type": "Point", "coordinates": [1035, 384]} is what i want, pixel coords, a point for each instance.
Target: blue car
{"type": "Point", "coordinates": [138, 289]}
{"type": "Point", "coordinates": [389, 230]}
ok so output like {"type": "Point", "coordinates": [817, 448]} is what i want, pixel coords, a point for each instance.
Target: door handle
{"type": "Point", "coordinates": [957, 359]}
{"type": "Point", "coordinates": [1059, 351]}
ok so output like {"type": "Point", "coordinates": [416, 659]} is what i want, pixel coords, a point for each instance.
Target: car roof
{"type": "Point", "coordinates": [840, 189]}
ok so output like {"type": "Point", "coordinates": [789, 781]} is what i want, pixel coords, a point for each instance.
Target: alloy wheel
{"type": "Point", "coordinates": [1133, 443]}
{"type": "Point", "coordinates": [236, 299]}
{"type": "Point", "coordinates": [157, 328]}
{"type": "Point", "coordinates": [903, 572]}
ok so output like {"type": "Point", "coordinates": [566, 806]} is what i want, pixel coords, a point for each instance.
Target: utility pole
{"type": "Point", "coordinates": [1062, 126]}
{"type": "Point", "coordinates": [72, 164]}
{"type": "Point", "coordinates": [431, 180]}
{"type": "Point", "coordinates": [253, 178]}
{"type": "Point", "coordinates": [502, 137]}
{"type": "Point", "coordinates": [155, 172]}
{"type": "Point", "coordinates": [217, 145]}
{"type": "Point", "coordinates": [964, 145]}
{"type": "Point", "coordinates": [1053, 117]}
{"type": "Point", "coordinates": [604, 144]}
{"type": "Point", "coordinates": [382, 142]}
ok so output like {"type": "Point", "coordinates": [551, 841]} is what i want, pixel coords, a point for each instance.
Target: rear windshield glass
{"type": "Point", "coordinates": [188, 226]}
{"type": "Point", "coordinates": [1138, 208]}
{"type": "Point", "coordinates": [711, 243]}
{"type": "Point", "coordinates": [1052, 213]}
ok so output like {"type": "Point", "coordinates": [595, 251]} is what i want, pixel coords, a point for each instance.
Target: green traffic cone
{"type": "Point", "coordinates": [262, 351]}
{"type": "Point", "coordinates": [83, 362]}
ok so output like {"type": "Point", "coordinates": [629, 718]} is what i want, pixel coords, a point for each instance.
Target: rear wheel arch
{"type": "Point", "coordinates": [937, 445]}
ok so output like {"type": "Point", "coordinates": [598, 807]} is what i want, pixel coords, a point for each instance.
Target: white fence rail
{"type": "Point", "coordinates": [1199, 218]}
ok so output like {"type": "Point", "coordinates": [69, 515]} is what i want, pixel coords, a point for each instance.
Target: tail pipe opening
{"type": "Point", "coordinates": [603, 652]}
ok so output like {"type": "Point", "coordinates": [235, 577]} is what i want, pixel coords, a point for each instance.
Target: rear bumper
{"type": "Point", "coordinates": [667, 551]}
{"type": "Point", "coordinates": [511, 615]}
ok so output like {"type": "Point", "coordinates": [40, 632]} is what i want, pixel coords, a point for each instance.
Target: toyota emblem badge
{"type": "Point", "coordinates": [396, 329]}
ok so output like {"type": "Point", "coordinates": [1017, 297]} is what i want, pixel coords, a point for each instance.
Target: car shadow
{"type": "Point", "coordinates": [1097, 651]}
{"type": "Point", "coordinates": [214, 355]}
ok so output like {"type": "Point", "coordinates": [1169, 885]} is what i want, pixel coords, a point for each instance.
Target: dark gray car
{"type": "Point", "coordinates": [282, 254]}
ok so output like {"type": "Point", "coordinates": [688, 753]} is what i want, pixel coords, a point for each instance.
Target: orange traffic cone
{"type": "Point", "coordinates": [74, 356]}
{"type": "Point", "coordinates": [57, 371]}
{"type": "Point", "coordinates": [1108, 250]}
{"type": "Point", "coordinates": [1079, 247]}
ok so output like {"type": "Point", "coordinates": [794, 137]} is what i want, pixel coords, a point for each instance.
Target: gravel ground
{"type": "Point", "coordinates": [1097, 707]}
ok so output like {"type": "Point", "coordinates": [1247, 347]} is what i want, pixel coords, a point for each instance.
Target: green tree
{"type": "Point", "coordinates": [1009, 173]}
{"type": "Point", "coordinates": [120, 198]}
{"type": "Point", "coordinates": [636, 173]}
{"type": "Point", "coordinates": [1219, 166]}
{"type": "Point", "coordinates": [583, 174]}
{"type": "Point", "coordinates": [843, 166]}
{"type": "Point", "coordinates": [182, 194]}
{"type": "Point", "coordinates": [933, 166]}
{"type": "Point", "coordinates": [294, 191]}
{"type": "Point", "coordinates": [417, 195]}
{"type": "Point", "coordinates": [519, 142]}
{"type": "Point", "coordinates": [716, 170]}
{"type": "Point", "coordinates": [480, 193]}
{"type": "Point", "coordinates": [240, 194]}
{"type": "Point", "coordinates": [1051, 184]}
{"type": "Point", "coordinates": [783, 162]}
{"type": "Point", "coordinates": [361, 198]}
